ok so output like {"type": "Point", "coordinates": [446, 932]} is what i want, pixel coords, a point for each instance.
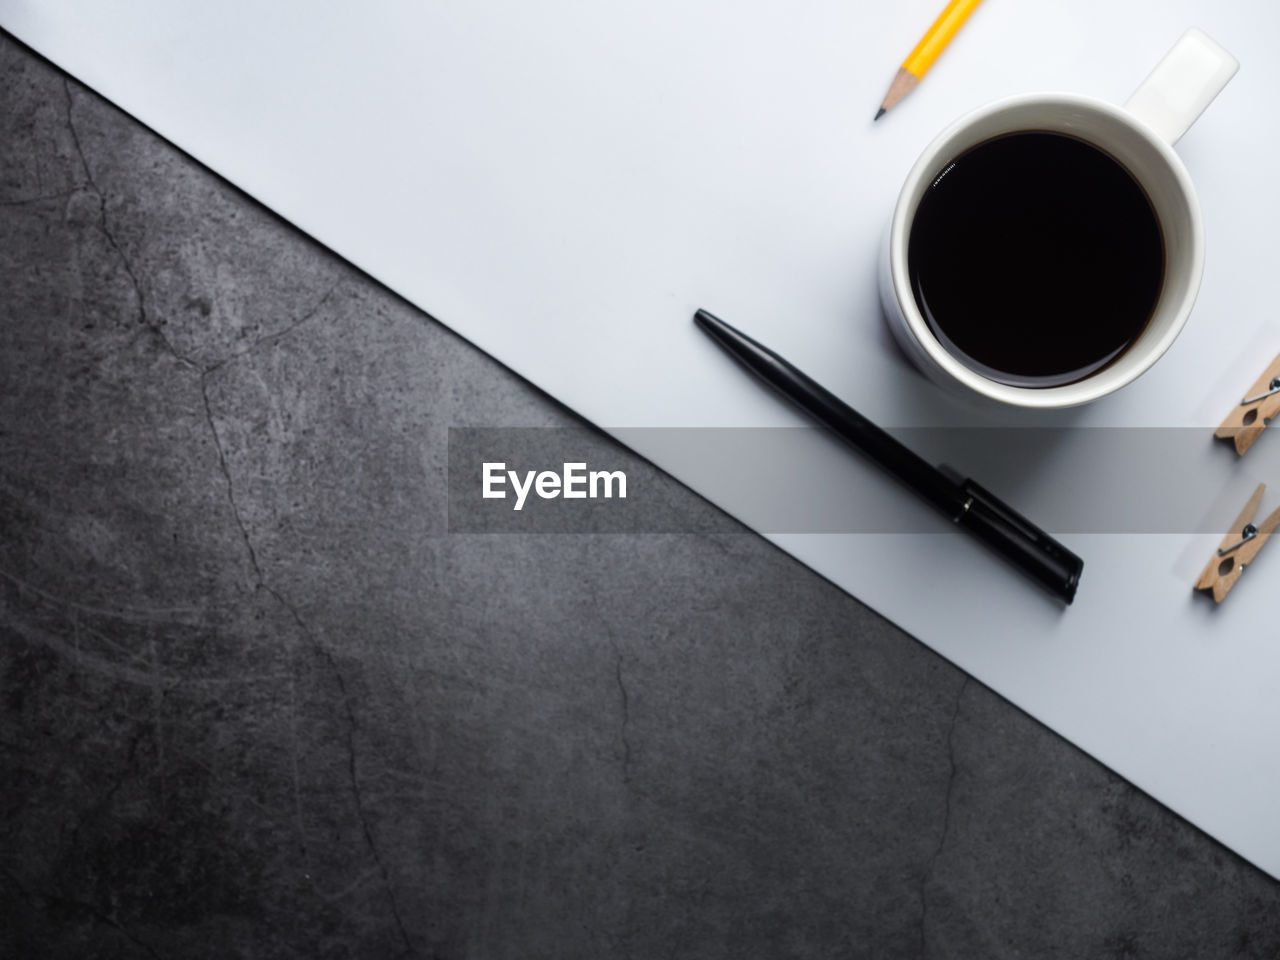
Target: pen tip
{"type": "Point", "coordinates": [879, 114]}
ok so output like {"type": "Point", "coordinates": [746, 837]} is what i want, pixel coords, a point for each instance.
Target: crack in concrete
{"type": "Point", "coordinates": [927, 872]}
{"type": "Point", "coordinates": [95, 912]}
{"type": "Point", "coordinates": [104, 225]}
{"type": "Point", "coordinates": [626, 723]}
{"type": "Point", "coordinates": [352, 765]}
{"type": "Point", "coordinates": [318, 647]}
{"type": "Point", "coordinates": [260, 581]}
{"type": "Point", "coordinates": [624, 697]}
{"type": "Point", "coordinates": [276, 335]}
{"type": "Point", "coordinates": [226, 475]}
{"type": "Point", "coordinates": [156, 327]}
{"type": "Point", "coordinates": [223, 465]}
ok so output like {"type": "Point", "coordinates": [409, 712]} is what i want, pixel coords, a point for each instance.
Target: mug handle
{"type": "Point", "coordinates": [1176, 92]}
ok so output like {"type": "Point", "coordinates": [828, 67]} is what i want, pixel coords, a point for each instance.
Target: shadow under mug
{"type": "Point", "coordinates": [1140, 135]}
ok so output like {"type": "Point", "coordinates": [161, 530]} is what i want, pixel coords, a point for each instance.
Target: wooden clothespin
{"type": "Point", "coordinates": [1238, 548]}
{"type": "Point", "coordinates": [1249, 418]}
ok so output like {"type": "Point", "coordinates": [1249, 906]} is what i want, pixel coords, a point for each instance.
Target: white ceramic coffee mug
{"type": "Point", "coordinates": [1140, 135]}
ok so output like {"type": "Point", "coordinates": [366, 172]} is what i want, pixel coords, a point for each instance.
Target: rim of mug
{"type": "Point", "coordinates": [1097, 385]}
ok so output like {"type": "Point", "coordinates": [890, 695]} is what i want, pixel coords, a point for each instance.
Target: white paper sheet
{"type": "Point", "coordinates": [563, 183]}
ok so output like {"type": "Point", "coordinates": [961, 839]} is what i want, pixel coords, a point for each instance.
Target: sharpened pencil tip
{"type": "Point", "coordinates": [879, 114]}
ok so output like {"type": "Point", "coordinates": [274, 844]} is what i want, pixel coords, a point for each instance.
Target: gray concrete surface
{"type": "Point", "coordinates": [258, 702]}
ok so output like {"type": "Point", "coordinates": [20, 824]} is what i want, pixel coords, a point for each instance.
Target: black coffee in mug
{"type": "Point", "coordinates": [1036, 259]}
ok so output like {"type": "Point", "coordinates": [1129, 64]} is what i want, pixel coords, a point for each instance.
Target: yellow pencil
{"type": "Point", "coordinates": [931, 44]}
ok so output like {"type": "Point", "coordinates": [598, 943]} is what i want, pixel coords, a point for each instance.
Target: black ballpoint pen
{"type": "Point", "coordinates": [965, 503]}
